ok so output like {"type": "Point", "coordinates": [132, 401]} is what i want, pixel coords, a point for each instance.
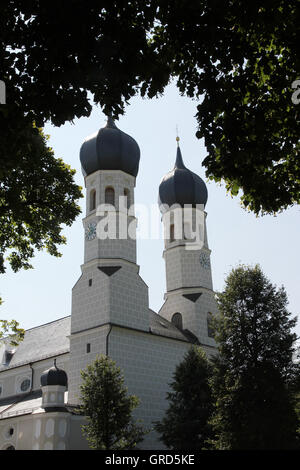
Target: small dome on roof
{"type": "Point", "coordinates": [110, 149]}
{"type": "Point", "coordinates": [54, 376]}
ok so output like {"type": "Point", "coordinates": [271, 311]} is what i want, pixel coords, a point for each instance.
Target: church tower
{"type": "Point", "coordinates": [110, 290]}
{"type": "Point", "coordinates": [189, 298]}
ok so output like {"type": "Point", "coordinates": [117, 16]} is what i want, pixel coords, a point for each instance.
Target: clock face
{"type": "Point", "coordinates": [90, 232]}
{"type": "Point", "coordinates": [204, 260]}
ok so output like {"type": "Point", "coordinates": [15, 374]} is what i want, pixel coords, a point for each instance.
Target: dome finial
{"type": "Point", "coordinates": [179, 162]}
{"type": "Point", "coordinates": [177, 136]}
{"type": "Point", "coordinates": [110, 121]}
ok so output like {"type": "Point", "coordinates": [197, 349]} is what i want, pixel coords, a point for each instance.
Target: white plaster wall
{"type": "Point", "coordinates": [183, 269]}
{"type": "Point", "coordinates": [11, 378]}
{"type": "Point", "coordinates": [80, 358]}
{"type": "Point", "coordinates": [43, 431]}
{"type": "Point", "coordinates": [148, 362]}
{"type": "Point", "coordinates": [194, 314]}
{"type": "Point", "coordinates": [107, 248]}
{"type": "Point", "coordinates": [119, 298]}
{"type": "Point", "coordinates": [90, 304]}
{"type": "Point", "coordinates": [129, 304]}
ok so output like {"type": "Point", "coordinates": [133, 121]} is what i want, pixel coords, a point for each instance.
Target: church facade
{"type": "Point", "coordinates": [40, 379]}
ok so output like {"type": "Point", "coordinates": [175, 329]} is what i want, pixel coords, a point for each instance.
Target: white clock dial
{"type": "Point", "coordinates": [204, 260]}
{"type": "Point", "coordinates": [91, 231]}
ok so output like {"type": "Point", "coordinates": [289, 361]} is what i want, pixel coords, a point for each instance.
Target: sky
{"type": "Point", "coordinates": [235, 236]}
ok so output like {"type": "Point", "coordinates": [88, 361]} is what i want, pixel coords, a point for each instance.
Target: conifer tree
{"type": "Point", "coordinates": [185, 424]}
{"type": "Point", "coordinates": [254, 374]}
{"type": "Point", "coordinates": [108, 407]}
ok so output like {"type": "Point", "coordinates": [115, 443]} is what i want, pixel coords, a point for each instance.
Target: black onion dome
{"type": "Point", "coordinates": [54, 376]}
{"type": "Point", "coordinates": [182, 186]}
{"type": "Point", "coordinates": [110, 149]}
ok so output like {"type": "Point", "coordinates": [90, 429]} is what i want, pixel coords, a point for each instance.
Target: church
{"type": "Point", "coordinates": [40, 378]}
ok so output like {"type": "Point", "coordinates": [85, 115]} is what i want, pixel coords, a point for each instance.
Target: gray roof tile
{"type": "Point", "coordinates": [43, 341]}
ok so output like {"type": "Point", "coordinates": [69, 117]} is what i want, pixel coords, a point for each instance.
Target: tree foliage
{"type": "Point", "coordinates": [108, 407]}
{"type": "Point", "coordinates": [11, 332]}
{"type": "Point", "coordinates": [297, 409]}
{"type": "Point", "coordinates": [254, 376]}
{"type": "Point", "coordinates": [37, 192]}
{"type": "Point", "coordinates": [185, 424]}
{"type": "Point", "coordinates": [237, 59]}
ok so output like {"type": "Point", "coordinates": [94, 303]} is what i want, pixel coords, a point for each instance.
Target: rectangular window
{"type": "Point", "coordinates": [90, 282]}
{"type": "Point", "coordinates": [88, 347]}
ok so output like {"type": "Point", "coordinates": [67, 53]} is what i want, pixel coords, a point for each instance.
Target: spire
{"type": "Point", "coordinates": [179, 162]}
{"type": "Point", "coordinates": [181, 186]}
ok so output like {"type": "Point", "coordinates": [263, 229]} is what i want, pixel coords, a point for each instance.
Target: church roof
{"type": "Point", "coordinates": [20, 405]}
{"type": "Point", "coordinates": [29, 403]}
{"type": "Point", "coordinates": [52, 339]}
{"type": "Point", "coordinates": [162, 327]}
{"type": "Point", "coordinates": [41, 342]}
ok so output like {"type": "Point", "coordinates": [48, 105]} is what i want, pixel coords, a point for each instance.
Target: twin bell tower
{"type": "Point", "coordinates": [110, 292]}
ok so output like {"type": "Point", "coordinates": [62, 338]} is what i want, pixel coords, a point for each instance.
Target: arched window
{"type": "Point", "coordinates": [210, 328]}
{"type": "Point", "coordinates": [172, 232]}
{"type": "Point", "coordinates": [177, 320]}
{"type": "Point", "coordinates": [186, 231]}
{"type": "Point", "coordinates": [127, 195]}
{"type": "Point", "coordinates": [92, 200]}
{"type": "Point", "coordinates": [110, 196]}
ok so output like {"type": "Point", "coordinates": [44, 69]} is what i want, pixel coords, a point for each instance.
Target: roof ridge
{"type": "Point", "coordinates": [48, 323]}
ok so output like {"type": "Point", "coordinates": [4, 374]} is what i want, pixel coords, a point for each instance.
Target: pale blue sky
{"type": "Point", "coordinates": [235, 236]}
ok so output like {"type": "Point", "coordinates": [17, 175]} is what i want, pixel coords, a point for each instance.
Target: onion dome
{"type": "Point", "coordinates": [181, 186]}
{"type": "Point", "coordinates": [54, 376]}
{"type": "Point", "coordinates": [110, 149]}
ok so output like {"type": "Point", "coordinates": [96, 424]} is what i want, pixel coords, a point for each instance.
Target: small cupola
{"type": "Point", "coordinates": [110, 149]}
{"type": "Point", "coordinates": [54, 376]}
{"type": "Point", "coordinates": [181, 186]}
{"type": "Point", "coordinates": [54, 382]}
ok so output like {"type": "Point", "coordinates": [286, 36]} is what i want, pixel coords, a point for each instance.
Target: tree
{"type": "Point", "coordinates": [108, 407]}
{"type": "Point", "coordinates": [10, 331]}
{"type": "Point", "coordinates": [185, 424]}
{"type": "Point", "coordinates": [254, 374]}
{"type": "Point", "coordinates": [37, 196]}
{"type": "Point", "coordinates": [297, 409]}
{"type": "Point", "coordinates": [37, 193]}
{"type": "Point", "coordinates": [238, 60]}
